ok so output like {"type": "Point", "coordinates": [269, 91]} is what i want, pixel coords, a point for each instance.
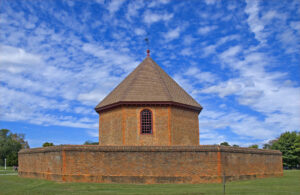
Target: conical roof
{"type": "Point", "coordinates": [148, 84]}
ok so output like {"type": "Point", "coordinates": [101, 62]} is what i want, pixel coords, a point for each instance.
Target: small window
{"type": "Point", "coordinates": [146, 122]}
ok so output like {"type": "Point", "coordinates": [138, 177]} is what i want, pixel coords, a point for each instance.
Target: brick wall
{"type": "Point", "coordinates": [46, 165]}
{"type": "Point", "coordinates": [185, 127]}
{"type": "Point", "coordinates": [110, 127]}
{"type": "Point", "coordinates": [148, 164]}
{"type": "Point", "coordinates": [171, 126]}
{"type": "Point", "coordinates": [238, 164]}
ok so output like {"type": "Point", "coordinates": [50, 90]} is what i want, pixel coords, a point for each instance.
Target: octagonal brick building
{"type": "Point", "coordinates": [148, 108]}
{"type": "Point", "coordinates": [148, 133]}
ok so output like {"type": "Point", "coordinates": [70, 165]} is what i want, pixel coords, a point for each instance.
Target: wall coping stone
{"type": "Point", "coordinates": [200, 148]}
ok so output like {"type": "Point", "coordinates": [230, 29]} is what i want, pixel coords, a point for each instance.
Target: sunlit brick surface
{"type": "Point", "coordinates": [171, 126]}
{"type": "Point", "coordinates": [148, 164]}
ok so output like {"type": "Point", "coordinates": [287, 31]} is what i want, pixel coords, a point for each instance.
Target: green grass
{"type": "Point", "coordinates": [8, 170]}
{"type": "Point", "coordinates": [288, 184]}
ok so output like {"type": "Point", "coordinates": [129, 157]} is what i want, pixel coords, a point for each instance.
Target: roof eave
{"type": "Point", "coordinates": [148, 103]}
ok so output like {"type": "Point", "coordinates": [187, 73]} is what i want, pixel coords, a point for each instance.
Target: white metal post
{"type": "Point", "coordinates": [5, 163]}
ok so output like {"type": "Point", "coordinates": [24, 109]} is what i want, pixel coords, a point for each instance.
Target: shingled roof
{"type": "Point", "coordinates": [148, 84]}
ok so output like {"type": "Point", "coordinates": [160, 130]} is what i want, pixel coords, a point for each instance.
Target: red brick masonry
{"type": "Point", "coordinates": [148, 164]}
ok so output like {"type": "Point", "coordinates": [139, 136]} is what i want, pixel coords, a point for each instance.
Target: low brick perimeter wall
{"type": "Point", "coordinates": [148, 164]}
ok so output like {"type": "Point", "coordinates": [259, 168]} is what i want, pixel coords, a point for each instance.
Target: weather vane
{"type": "Point", "coordinates": [147, 42]}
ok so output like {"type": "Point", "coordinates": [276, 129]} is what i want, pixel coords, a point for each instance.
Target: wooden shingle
{"type": "Point", "coordinates": [148, 83]}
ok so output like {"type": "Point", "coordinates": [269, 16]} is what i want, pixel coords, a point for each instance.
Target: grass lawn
{"type": "Point", "coordinates": [8, 171]}
{"type": "Point", "coordinates": [288, 184]}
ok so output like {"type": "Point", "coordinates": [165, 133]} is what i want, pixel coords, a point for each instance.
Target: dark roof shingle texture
{"type": "Point", "coordinates": [148, 83]}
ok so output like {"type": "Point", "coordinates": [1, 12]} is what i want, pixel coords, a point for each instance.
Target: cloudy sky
{"type": "Point", "coordinates": [239, 59]}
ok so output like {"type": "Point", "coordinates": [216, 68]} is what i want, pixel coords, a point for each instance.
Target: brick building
{"type": "Point", "coordinates": [148, 133]}
{"type": "Point", "coordinates": [148, 108]}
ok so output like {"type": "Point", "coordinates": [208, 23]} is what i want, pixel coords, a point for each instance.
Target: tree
{"type": "Point", "coordinates": [90, 143]}
{"type": "Point", "coordinates": [289, 144]}
{"type": "Point", "coordinates": [269, 144]}
{"type": "Point", "coordinates": [253, 146]}
{"type": "Point", "coordinates": [10, 145]}
{"type": "Point", "coordinates": [224, 144]}
{"type": "Point", "coordinates": [234, 145]}
{"type": "Point", "coordinates": [46, 144]}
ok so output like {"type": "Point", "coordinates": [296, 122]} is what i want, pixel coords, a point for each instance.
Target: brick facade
{"type": "Point", "coordinates": [171, 126]}
{"type": "Point", "coordinates": [148, 164]}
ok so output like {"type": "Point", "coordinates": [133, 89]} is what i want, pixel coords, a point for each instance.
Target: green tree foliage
{"type": "Point", "coordinates": [46, 144]}
{"type": "Point", "coordinates": [269, 144]}
{"type": "Point", "coordinates": [10, 145]}
{"type": "Point", "coordinates": [253, 146]}
{"type": "Point", "coordinates": [224, 144]}
{"type": "Point", "coordinates": [90, 143]}
{"type": "Point", "coordinates": [289, 144]}
{"type": "Point", "coordinates": [234, 145]}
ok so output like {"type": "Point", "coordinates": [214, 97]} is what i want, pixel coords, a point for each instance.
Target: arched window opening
{"type": "Point", "coordinates": [146, 121]}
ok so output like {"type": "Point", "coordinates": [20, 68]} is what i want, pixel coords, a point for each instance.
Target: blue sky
{"type": "Point", "coordinates": [239, 59]}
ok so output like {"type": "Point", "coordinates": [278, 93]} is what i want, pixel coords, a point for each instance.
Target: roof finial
{"type": "Point", "coordinates": [148, 50]}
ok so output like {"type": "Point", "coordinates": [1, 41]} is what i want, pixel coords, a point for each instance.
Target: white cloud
{"type": "Point", "coordinates": [112, 57]}
{"type": "Point", "coordinates": [211, 138]}
{"type": "Point", "coordinates": [23, 70]}
{"type": "Point", "coordinates": [34, 85]}
{"type": "Point", "coordinates": [172, 34]}
{"type": "Point", "coordinates": [269, 15]}
{"type": "Point", "coordinates": [114, 6]}
{"type": "Point", "coordinates": [261, 91]}
{"type": "Point", "coordinates": [188, 40]}
{"type": "Point", "coordinates": [83, 110]}
{"type": "Point", "coordinates": [255, 24]}
{"type": "Point", "coordinates": [261, 23]}
{"type": "Point", "coordinates": [211, 49]}
{"type": "Point", "coordinates": [224, 89]}
{"type": "Point", "coordinates": [186, 52]}
{"type": "Point", "coordinates": [156, 3]}
{"type": "Point", "coordinates": [133, 9]}
{"type": "Point", "coordinates": [13, 55]}
{"type": "Point", "coordinates": [91, 97]}
{"type": "Point", "coordinates": [227, 38]}
{"type": "Point", "coordinates": [206, 29]}
{"type": "Point", "coordinates": [214, 123]}
{"type": "Point", "coordinates": [290, 41]}
{"type": "Point", "coordinates": [21, 106]}
{"type": "Point", "coordinates": [208, 50]}
{"type": "Point", "coordinates": [210, 2]}
{"type": "Point", "coordinates": [185, 83]}
{"type": "Point", "coordinates": [150, 17]}
{"type": "Point", "coordinates": [139, 31]}
{"type": "Point", "coordinates": [295, 26]}
{"type": "Point", "coordinates": [201, 76]}
{"type": "Point", "coordinates": [99, 1]}
{"type": "Point", "coordinates": [93, 133]}
{"type": "Point", "coordinates": [231, 52]}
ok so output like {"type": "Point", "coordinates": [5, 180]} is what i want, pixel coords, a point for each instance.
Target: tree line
{"type": "Point", "coordinates": [10, 145]}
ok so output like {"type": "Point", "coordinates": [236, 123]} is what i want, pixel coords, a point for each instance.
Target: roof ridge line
{"type": "Point", "coordinates": [111, 92]}
{"type": "Point", "coordinates": [162, 80]}
{"type": "Point", "coordinates": [186, 93]}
